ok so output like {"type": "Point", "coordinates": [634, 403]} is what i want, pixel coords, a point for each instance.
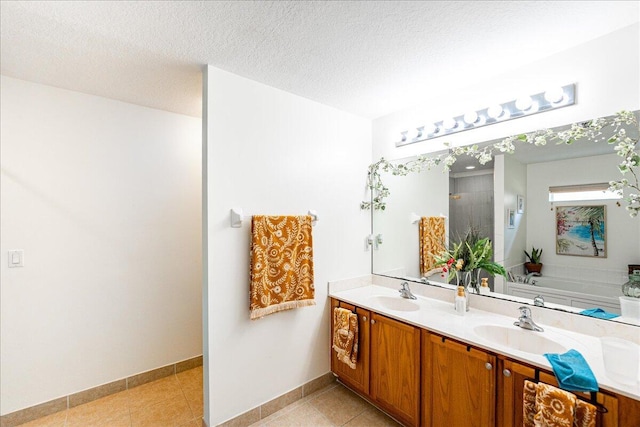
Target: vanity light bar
{"type": "Point", "coordinates": [524, 106]}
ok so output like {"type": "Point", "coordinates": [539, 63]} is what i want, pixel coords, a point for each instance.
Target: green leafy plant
{"type": "Point", "coordinates": [470, 253]}
{"type": "Point", "coordinates": [534, 257]}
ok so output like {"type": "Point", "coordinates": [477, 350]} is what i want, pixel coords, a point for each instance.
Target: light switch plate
{"type": "Point", "coordinates": [16, 258]}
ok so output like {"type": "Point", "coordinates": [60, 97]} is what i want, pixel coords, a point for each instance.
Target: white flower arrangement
{"type": "Point", "coordinates": [625, 147]}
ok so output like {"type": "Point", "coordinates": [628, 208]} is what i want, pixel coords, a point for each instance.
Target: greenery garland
{"type": "Point", "coordinates": [625, 147]}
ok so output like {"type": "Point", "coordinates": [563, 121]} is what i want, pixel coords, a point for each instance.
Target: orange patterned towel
{"type": "Point", "coordinates": [281, 264]}
{"type": "Point", "coordinates": [432, 231]}
{"type": "Point", "coordinates": [554, 407]}
{"type": "Point", "coordinates": [586, 414]}
{"type": "Point", "coordinates": [548, 406]}
{"type": "Point", "coordinates": [345, 336]}
{"type": "Point", "coordinates": [529, 399]}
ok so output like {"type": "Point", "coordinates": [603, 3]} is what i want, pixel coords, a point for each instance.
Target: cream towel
{"type": "Point", "coordinates": [345, 336]}
{"type": "Point", "coordinates": [281, 264]}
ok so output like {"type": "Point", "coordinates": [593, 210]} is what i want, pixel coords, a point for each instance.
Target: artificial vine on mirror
{"type": "Point", "coordinates": [627, 148]}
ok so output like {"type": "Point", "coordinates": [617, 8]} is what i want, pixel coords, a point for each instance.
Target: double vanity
{"type": "Point", "coordinates": [425, 365]}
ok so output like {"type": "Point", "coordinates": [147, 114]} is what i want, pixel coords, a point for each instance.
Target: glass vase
{"type": "Point", "coordinates": [471, 280]}
{"type": "Point", "coordinates": [632, 287]}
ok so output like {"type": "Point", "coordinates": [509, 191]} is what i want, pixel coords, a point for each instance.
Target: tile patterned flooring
{"type": "Point", "coordinates": [334, 405]}
{"type": "Point", "coordinates": [176, 401]}
{"type": "Point", "coordinates": [173, 401]}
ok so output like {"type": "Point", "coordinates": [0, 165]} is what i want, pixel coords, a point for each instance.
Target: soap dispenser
{"type": "Point", "coordinates": [484, 287]}
{"type": "Point", "coordinates": [461, 301]}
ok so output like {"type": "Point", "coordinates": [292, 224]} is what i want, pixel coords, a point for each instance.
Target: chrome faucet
{"type": "Point", "coordinates": [529, 276]}
{"type": "Point", "coordinates": [525, 321]}
{"type": "Point", "coordinates": [538, 301]}
{"type": "Point", "coordinates": [405, 292]}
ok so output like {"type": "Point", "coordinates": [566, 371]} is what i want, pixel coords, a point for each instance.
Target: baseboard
{"type": "Point", "coordinates": [67, 402]}
{"type": "Point", "coordinates": [260, 412]}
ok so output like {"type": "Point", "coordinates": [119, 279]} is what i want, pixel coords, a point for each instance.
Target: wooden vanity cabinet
{"type": "Point", "coordinates": [458, 383]}
{"type": "Point", "coordinates": [621, 411]}
{"type": "Point", "coordinates": [357, 379]}
{"type": "Point", "coordinates": [424, 379]}
{"type": "Point", "coordinates": [395, 368]}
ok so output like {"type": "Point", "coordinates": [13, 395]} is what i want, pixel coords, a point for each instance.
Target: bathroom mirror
{"type": "Point", "coordinates": [507, 200]}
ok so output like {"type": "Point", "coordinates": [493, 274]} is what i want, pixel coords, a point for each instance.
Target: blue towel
{"type": "Point", "coordinates": [599, 313]}
{"type": "Point", "coordinates": [572, 371]}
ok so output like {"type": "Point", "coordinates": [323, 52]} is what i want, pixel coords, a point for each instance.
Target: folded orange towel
{"type": "Point", "coordinates": [432, 232]}
{"type": "Point", "coordinates": [345, 336]}
{"type": "Point", "coordinates": [281, 264]}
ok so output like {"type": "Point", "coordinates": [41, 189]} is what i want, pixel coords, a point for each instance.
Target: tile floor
{"type": "Point", "coordinates": [174, 401]}
{"type": "Point", "coordinates": [335, 405]}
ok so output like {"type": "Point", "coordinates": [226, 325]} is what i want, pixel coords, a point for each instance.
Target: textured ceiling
{"type": "Point", "coordinates": [369, 58]}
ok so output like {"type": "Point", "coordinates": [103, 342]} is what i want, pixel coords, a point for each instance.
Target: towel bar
{"type": "Point", "coordinates": [237, 216]}
{"type": "Point", "coordinates": [593, 396]}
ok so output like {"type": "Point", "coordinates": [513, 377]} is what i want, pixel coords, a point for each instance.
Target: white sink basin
{"type": "Point", "coordinates": [395, 303]}
{"type": "Point", "coordinates": [519, 339]}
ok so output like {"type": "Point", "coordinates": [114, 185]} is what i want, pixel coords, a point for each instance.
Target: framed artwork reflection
{"type": "Point", "coordinates": [581, 231]}
{"type": "Point", "coordinates": [511, 218]}
{"type": "Point", "coordinates": [520, 204]}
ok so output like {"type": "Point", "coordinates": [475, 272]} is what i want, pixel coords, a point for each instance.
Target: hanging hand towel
{"type": "Point", "coordinates": [529, 403]}
{"type": "Point", "coordinates": [345, 336]}
{"type": "Point", "coordinates": [584, 413]}
{"type": "Point", "coordinates": [554, 407]}
{"type": "Point", "coordinates": [432, 231]}
{"type": "Point", "coordinates": [572, 371]}
{"type": "Point", "coordinates": [281, 264]}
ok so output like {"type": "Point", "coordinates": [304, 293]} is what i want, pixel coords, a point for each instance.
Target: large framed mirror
{"type": "Point", "coordinates": [507, 200]}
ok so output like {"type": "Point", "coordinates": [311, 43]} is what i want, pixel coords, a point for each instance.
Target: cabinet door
{"type": "Point", "coordinates": [460, 390]}
{"type": "Point", "coordinates": [510, 397]}
{"type": "Point", "coordinates": [357, 379]}
{"type": "Point", "coordinates": [395, 368]}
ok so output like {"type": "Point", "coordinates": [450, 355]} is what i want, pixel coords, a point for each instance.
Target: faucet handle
{"type": "Point", "coordinates": [405, 286]}
{"type": "Point", "coordinates": [525, 311]}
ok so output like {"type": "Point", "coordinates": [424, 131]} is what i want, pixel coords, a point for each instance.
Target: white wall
{"type": "Point", "coordinates": [271, 152]}
{"type": "Point", "coordinates": [104, 198]}
{"type": "Point", "coordinates": [607, 76]}
{"type": "Point", "coordinates": [623, 232]}
{"type": "Point", "coordinates": [606, 72]}
{"type": "Point", "coordinates": [515, 184]}
{"type": "Point", "coordinates": [424, 194]}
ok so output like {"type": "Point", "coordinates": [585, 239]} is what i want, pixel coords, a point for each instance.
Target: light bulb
{"type": "Point", "coordinates": [471, 117]}
{"type": "Point", "coordinates": [524, 103]}
{"type": "Point", "coordinates": [430, 128]}
{"type": "Point", "coordinates": [450, 123]}
{"type": "Point", "coordinates": [554, 95]}
{"type": "Point", "coordinates": [494, 111]}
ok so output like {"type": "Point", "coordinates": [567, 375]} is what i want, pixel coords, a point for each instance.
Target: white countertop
{"type": "Point", "coordinates": [439, 316]}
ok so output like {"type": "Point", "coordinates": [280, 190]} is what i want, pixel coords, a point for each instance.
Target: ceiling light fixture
{"type": "Point", "coordinates": [520, 107]}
